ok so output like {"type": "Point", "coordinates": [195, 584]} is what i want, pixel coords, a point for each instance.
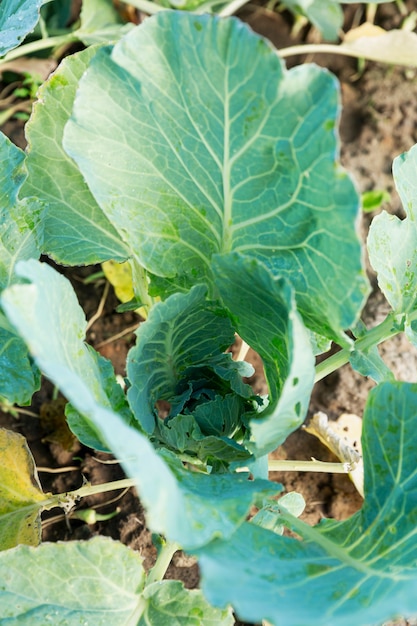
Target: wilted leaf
{"type": "Point", "coordinates": [21, 496]}
{"type": "Point", "coordinates": [392, 244]}
{"type": "Point", "coordinates": [119, 276]}
{"type": "Point", "coordinates": [342, 437]}
{"type": "Point", "coordinates": [397, 47]}
{"type": "Point", "coordinates": [367, 29]}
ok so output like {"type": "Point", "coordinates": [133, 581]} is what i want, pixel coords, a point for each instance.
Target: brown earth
{"type": "Point", "coordinates": [379, 121]}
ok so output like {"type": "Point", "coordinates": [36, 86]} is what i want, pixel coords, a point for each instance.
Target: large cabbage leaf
{"type": "Point", "coordinates": [195, 140]}
{"type": "Point", "coordinates": [359, 571]}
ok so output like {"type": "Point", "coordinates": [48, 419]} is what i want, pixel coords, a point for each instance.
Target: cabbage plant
{"type": "Point", "coordinates": [188, 150]}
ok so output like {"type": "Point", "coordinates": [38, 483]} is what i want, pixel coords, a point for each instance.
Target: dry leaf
{"type": "Point", "coordinates": [343, 438]}
{"type": "Point", "coordinates": [20, 493]}
{"type": "Point", "coordinates": [32, 66]}
{"type": "Point", "coordinates": [364, 30]}
{"type": "Point", "coordinates": [397, 47]}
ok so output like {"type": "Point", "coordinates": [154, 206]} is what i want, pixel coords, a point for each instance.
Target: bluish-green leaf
{"type": "Point", "coordinates": [195, 140]}
{"type": "Point", "coordinates": [16, 239]}
{"type": "Point", "coordinates": [21, 496]}
{"type": "Point", "coordinates": [214, 504]}
{"type": "Point", "coordinates": [188, 507]}
{"type": "Point", "coordinates": [326, 15]}
{"type": "Point", "coordinates": [178, 359]}
{"type": "Point", "coordinates": [51, 303]}
{"type": "Point", "coordinates": [73, 229]}
{"type": "Point", "coordinates": [115, 395]}
{"type": "Point", "coordinates": [264, 312]}
{"type": "Point", "coordinates": [392, 243]}
{"type": "Point", "coordinates": [369, 362]}
{"type": "Point", "coordinates": [17, 19]}
{"type": "Point", "coordinates": [79, 582]}
{"type": "Point", "coordinates": [182, 332]}
{"type": "Point", "coordinates": [19, 378]}
{"type": "Point", "coordinates": [100, 23]}
{"type": "Point", "coordinates": [170, 604]}
{"type": "Point", "coordinates": [269, 516]}
{"type": "Point", "coordinates": [362, 570]}
{"type": "Point", "coordinates": [56, 14]}
{"type": "Point", "coordinates": [183, 435]}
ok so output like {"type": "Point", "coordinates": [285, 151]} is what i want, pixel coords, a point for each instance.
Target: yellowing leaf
{"type": "Point", "coordinates": [397, 47]}
{"type": "Point", "coordinates": [20, 493]}
{"type": "Point", "coordinates": [364, 30]}
{"type": "Point", "coordinates": [119, 276]}
{"type": "Point", "coordinates": [343, 438]}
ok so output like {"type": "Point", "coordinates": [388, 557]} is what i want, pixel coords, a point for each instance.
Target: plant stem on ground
{"type": "Point", "coordinates": [162, 562]}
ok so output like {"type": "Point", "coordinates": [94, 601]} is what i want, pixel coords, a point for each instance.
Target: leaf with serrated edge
{"type": "Point", "coordinates": [190, 508]}
{"type": "Point", "coordinates": [21, 496]}
{"type": "Point", "coordinates": [205, 144]}
{"type": "Point", "coordinates": [362, 570]}
{"type": "Point", "coordinates": [392, 243]}
{"type": "Point", "coordinates": [79, 582]}
{"type": "Point", "coordinates": [75, 230]}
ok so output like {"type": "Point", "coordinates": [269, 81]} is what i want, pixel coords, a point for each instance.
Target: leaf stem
{"type": "Point", "coordinates": [89, 490]}
{"type": "Point", "coordinates": [68, 499]}
{"type": "Point", "coordinates": [310, 466]}
{"type": "Point", "coordinates": [39, 44]}
{"type": "Point", "coordinates": [232, 7]}
{"type": "Point", "coordinates": [147, 6]}
{"type": "Point", "coordinates": [163, 560]}
{"type": "Point", "coordinates": [391, 326]}
{"type": "Point", "coordinates": [319, 48]}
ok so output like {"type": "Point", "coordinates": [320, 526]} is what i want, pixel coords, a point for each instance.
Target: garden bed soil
{"type": "Point", "coordinates": [379, 121]}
